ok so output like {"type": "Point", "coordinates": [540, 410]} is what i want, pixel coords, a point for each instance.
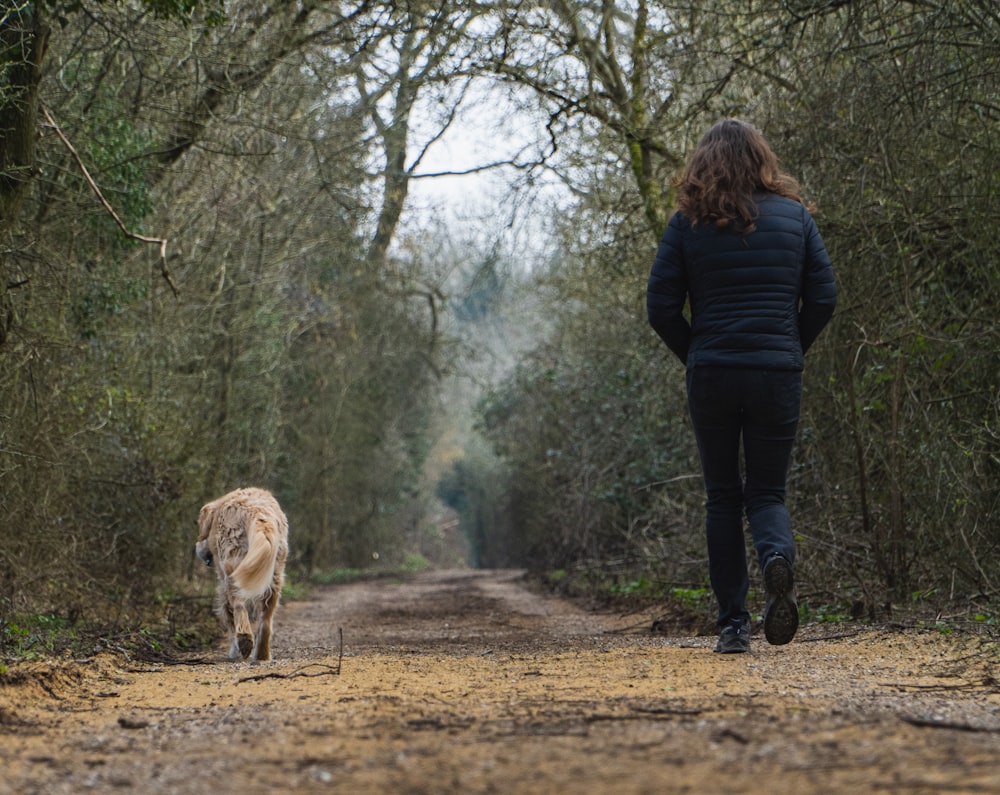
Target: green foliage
{"type": "Point", "coordinates": [293, 589]}
{"type": "Point", "coordinates": [102, 300]}
{"type": "Point", "coordinates": [823, 613]}
{"type": "Point", "coordinates": [114, 153]}
{"type": "Point", "coordinates": [414, 563]}
{"type": "Point", "coordinates": [475, 487]}
{"type": "Point", "coordinates": [35, 636]}
{"type": "Point", "coordinates": [15, 641]}
{"type": "Point", "coordinates": [337, 576]}
{"type": "Point", "coordinates": [176, 623]}
{"type": "Point", "coordinates": [637, 587]}
{"type": "Point", "coordinates": [693, 598]}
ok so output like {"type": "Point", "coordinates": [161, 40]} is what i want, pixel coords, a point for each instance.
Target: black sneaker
{"type": "Point", "coordinates": [781, 614]}
{"type": "Point", "coordinates": [734, 638]}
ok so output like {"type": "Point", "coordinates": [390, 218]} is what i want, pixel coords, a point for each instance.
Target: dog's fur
{"type": "Point", "coordinates": [245, 536]}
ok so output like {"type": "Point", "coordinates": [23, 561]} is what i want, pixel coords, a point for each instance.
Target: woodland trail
{"type": "Point", "coordinates": [470, 682]}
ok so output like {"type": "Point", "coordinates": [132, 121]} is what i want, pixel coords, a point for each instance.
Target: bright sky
{"type": "Point", "coordinates": [490, 204]}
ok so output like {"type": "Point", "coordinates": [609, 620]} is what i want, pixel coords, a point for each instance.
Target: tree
{"type": "Point", "coordinates": [235, 144]}
{"type": "Point", "coordinates": [24, 39]}
{"type": "Point", "coordinates": [885, 112]}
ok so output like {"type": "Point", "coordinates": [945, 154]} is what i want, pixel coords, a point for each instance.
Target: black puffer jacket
{"type": "Point", "coordinates": [757, 300]}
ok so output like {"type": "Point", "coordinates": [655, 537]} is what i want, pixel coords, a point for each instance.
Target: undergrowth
{"type": "Point", "coordinates": [175, 624]}
{"type": "Point", "coordinates": [682, 606]}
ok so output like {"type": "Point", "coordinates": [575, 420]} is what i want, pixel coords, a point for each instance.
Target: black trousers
{"type": "Point", "coordinates": [760, 408]}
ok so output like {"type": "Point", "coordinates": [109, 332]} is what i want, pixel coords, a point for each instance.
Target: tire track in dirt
{"type": "Point", "coordinates": [468, 682]}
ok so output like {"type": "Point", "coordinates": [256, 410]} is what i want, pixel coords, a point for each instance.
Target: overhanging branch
{"type": "Point", "coordinates": [161, 241]}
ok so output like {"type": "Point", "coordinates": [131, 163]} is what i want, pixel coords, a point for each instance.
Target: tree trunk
{"type": "Point", "coordinates": [23, 40]}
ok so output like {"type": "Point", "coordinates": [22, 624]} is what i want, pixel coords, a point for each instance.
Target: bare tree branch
{"type": "Point", "coordinates": [162, 242]}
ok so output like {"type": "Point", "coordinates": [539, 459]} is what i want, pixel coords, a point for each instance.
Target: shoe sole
{"type": "Point", "coordinates": [781, 618]}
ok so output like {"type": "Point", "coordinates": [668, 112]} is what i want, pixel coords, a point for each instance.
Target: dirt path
{"type": "Point", "coordinates": [466, 682]}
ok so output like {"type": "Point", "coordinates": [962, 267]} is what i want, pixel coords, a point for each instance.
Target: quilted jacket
{"type": "Point", "coordinates": [757, 300]}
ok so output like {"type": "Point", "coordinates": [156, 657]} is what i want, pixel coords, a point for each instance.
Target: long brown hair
{"type": "Point", "coordinates": [733, 161]}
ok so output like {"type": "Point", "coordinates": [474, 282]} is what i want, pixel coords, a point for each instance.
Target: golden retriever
{"type": "Point", "coordinates": [245, 536]}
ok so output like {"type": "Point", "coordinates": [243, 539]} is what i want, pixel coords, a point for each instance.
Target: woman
{"type": "Point", "coordinates": [746, 253]}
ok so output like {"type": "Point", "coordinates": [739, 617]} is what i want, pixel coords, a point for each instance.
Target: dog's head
{"type": "Point", "coordinates": [205, 519]}
{"type": "Point", "coordinates": [203, 552]}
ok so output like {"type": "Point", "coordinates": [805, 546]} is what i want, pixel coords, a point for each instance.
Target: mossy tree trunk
{"type": "Point", "coordinates": [23, 39]}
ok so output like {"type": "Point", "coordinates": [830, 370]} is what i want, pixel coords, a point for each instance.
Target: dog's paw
{"type": "Point", "coordinates": [246, 644]}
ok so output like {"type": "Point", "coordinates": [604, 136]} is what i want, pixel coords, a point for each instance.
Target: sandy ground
{"type": "Point", "coordinates": [468, 682]}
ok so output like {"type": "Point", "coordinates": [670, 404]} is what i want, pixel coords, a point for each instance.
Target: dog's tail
{"type": "Point", "coordinates": [256, 571]}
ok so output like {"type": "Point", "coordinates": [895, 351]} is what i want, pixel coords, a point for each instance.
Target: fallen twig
{"type": "Point", "coordinates": [934, 688]}
{"type": "Point", "coordinates": [670, 710]}
{"type": "Point", "coordinates": [329, 670]}
{"type": "Point", "coordinates": [915, 720]}
{"type": "Point", "coordinates": [643, 713]}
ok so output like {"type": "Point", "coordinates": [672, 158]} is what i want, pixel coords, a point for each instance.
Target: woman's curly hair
{"type": "Point", "coordinates": [731, 163]}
